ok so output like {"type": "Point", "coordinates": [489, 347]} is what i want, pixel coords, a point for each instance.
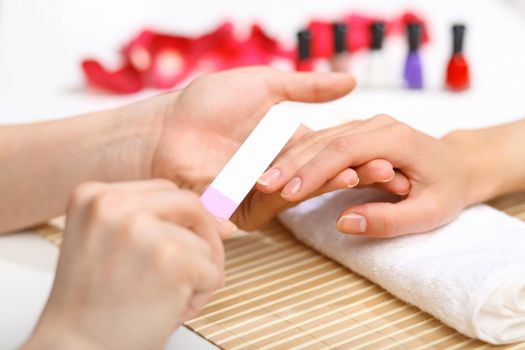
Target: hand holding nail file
{"type": "Point", "coordinates": [254, 156]}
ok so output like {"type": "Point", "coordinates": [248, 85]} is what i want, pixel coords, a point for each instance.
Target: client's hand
{"type": "Point", "coordinates": [265, 202]}
{"type": "Point", "coordinates": [137, 260]}
{"type": "Point", "coordinates": [438, 170]}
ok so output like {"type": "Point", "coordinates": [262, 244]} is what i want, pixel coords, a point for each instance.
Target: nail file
{"type": "Point", "coordinates": [250, 161]}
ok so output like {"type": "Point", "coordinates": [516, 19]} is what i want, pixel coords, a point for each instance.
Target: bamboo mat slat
{"type": "Point", "coordinates": [280, 294]}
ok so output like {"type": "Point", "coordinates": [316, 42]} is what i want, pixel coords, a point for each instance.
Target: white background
{"type": "Point", "coordinates": [42, 43]}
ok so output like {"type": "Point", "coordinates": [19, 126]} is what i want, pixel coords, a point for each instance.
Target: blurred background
{"type": "Point", "coordinates": [42, 45]}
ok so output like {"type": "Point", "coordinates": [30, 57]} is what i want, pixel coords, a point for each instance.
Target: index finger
{"type": "Point", "coordinates": [391, 142]}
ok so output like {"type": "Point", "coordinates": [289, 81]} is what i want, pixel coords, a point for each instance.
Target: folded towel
{"type": "Point", "coordinates": [470, 274]}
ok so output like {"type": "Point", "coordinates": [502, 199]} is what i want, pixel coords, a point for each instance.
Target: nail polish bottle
{"type": "Point", "coordinates": [304, 61]}
{"type": "Point", "coordinates": [377, 75]}
{"type": "Point", "coordinates": [412, 73]}
{"type": "Point", "coordinates": [340, 61]}
{"type": "Point", "coordinates": [457, 70]}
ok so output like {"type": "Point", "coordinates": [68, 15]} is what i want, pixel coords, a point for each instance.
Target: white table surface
{"type": "Point", "coordinates": [42, 42]}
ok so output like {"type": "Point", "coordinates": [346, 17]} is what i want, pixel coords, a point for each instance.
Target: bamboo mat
{"type": "Point", "coordinates": [280, 294]}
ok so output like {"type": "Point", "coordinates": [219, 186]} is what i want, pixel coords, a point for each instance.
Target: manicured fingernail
{"type": "Point", "coordinates": [404, 193]}
{"type": "Point", "coordinates": [391, 177]}
{"type": "Point", "coordinates": [291, 187]}
{"type": "Point", "coordinates": [269, 177]}
{"type": "Point", "coordinates": [352, 223]}
{"type": "Point", "coordinates": [226, 227]}
{"type": "Point", "coordinates": [353, 184]}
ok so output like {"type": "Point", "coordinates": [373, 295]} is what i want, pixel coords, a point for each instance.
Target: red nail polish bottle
{"type": "Point", "coordinates": [304, 61]}
{"type": "Point", "coordinates": [457, 70]}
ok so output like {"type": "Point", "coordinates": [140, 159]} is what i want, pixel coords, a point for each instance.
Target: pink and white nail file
{"type": "Point", "coordinates": [250, 161]}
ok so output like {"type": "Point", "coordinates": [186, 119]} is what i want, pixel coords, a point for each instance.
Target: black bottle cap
{"type": "Point", "coordinates": [304, 38]}
{"type": "Point", "coordinates": [339, 32]}
{"type": "Point", "coordinates": [414, 36]}
{"type": "Point", "coordinates": [458, 33]}
{"type": "Point", "coordinates": [377, 30]}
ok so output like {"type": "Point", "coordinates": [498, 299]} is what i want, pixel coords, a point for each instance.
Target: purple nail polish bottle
{"type": "Point", "coordinates": [413, 74]}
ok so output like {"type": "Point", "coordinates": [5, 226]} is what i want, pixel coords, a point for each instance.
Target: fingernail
{"type": "Point", "coordinates": [391, 177]}
{"type": "Point", "coordinates": [292, 187]}
{"type": "Point", "coordinates": [352, 223]}
{"type": "Point", "coordinates": [354, 184]}
{"type": "Point", "coordinates": [226, 226]}
{"type": "Point", "coordinates": [269, 177]}
{"type": "Point", "coordinates": [404, 193]}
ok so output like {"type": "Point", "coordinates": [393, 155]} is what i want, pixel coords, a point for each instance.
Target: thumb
{"type": "Point", "coordinates": [310, 87]}
{"type": "Point", "coordinates": [386, 220]}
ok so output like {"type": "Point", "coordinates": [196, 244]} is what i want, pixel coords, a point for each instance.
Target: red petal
{"type": "Point", "coordinates": [170, 67]}
{"type": "Point", "coordinates": [123, 80]}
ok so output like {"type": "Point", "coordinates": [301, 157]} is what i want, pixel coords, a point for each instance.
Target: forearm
{"type": "Point", "coordinates": [41, 163]}
{"type": "Point", "coordinates": [494, 158]}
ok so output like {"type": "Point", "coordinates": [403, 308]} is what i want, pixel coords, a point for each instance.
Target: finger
{"type": "Point", "coordinates": [226, 227]}
{"type": "Point", "coordinates": [386, 220]}
{"type": "Point", "coordinates": [185, 238]}
{"type": "Point", "coordinates": [293, 158]}
{"type": "Point", "coordinates": [309, 87]}
{"type": "Point", "coordinates": [399, 185]}
{"type": "Point", "coordinates": [375, 171]}
{"type": "Point", "coordinates": [351, 151]}
{"type": "Point", "coordinates": [347, 178]}
{"type": "Point", "coordinates": [290, 161]}
{"type": "Point", "coordinates": [87, 191]}
{"type": "Point", "coordinates": [182, 208]}
{"type": "Point", "coordinates": [259, 208]}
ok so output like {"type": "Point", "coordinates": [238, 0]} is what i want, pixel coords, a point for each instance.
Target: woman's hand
{"type": "Point", "coordinates": [137, 260]}
{"type": "Point", "coordinates": [442, 173]}
{"type": "Point", "coordinates": [266, 201]}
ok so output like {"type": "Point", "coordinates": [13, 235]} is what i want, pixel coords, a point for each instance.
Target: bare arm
{"type": "Point", "coordinates": [495, 159]}
{"type": "Point", "coordinates": [41, 163]}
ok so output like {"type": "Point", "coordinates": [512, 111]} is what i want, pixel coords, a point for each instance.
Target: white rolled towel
{"type": "Point", "coordinates": [470, 274]}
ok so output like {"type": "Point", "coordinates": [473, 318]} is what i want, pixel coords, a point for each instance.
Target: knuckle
{"type": "Point", "coordinates": [168, 256]}
{"type": "Point", "coordinates": [341, 144]}
{"type": "Point", "coordinates": [134, 224]}
{"type": "Point", "coordinates": [404, 131]}
{"type": "Point", "coordinates": [322, 141]}
{"type": "Point", "coordinates": [82, 192]}
{"type": "Point", "coordinates": [106, 202]}
{"type": "Point", "coordinates": [382, 119]}
{"type": "Point", "coordinates": [288, 162]}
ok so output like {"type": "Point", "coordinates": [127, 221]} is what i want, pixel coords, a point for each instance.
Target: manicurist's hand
{"type": "Point", "coordinates": [137, 260]}
{"type": "Point", "coordinates": [204, 124]}
{"type": "Point", "coordinates": [445, 175]}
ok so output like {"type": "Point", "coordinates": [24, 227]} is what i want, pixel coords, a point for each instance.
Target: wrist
{"type": "Point", "coordinates": [134, 134]}
{"type": "Point", "coordinates": [479, 164]}
{"type": "Point", "coordinates": [57, 338]}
